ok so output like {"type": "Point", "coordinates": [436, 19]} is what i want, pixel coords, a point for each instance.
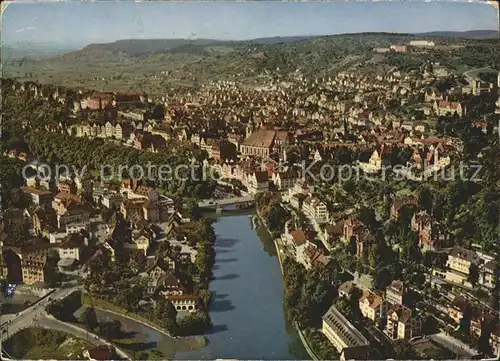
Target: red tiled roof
{"type": "Point", "coordinates": [299, 237]}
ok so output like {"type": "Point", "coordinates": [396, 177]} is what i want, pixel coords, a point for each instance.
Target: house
{"type": "Point", "coordinates": [44, 219]}
{"type": "Point", "coordinates": [132, 209]}
{"type": "Point", "coordinates": [352, 227]}
{"type": "Point", "coordinates": [488, 274]}
{"type": "Point", "coordinates": [372, 306]}
{"type": "Point", "coordinates": [443, 107]}
{"type": "Point", "coordinates": [346, 289]}
{"type": "Point", "coordinates": [395, 292]}
{"type": "Point", "coordinates": [495, 339]}
{"type": "Point", "coordinates": [156, 272]}
{"type": "Point", "coordinates": [458, 308]}
{"type": "Point", "coordinates": [299, 240]}
{"type": "Point", "coordinates": [459, 264]}
{"type": "Point", "coordinates": [63, 201]}
{"type": "Point", "coordinates": [170, 287]}
{"type": "Point", "coordinates": [75, 214]}
{"type": "Point", "coordinates": [39, 197]}
{"type": "Point", "coordinates": [402, 323]}
{"type": "Point", "coordinates": [481, 322]}
{"type": "Point", "coordinates": [344, 336]}
{"type": "Point", "coordinates": [313, 255]}
{"type": "Point", "coordinates": [432, 96]}
{"type": "Point", "coordinates": [111, 200]}
{"type": "Point", "coordinates": [364, 242]}
{"type": "Point", "coordinates": [10, 265]}
{"type": "Point", "coordinates": [284, 181]}
{"type": "Point", "coordinates": [68, 186]}
{"type": "Point", "coordinates": [184, 302]}
{"type": "Point", "coordinates": [135, 189]}
{"type": "Point", "coordinates": [431, 234]}
{"type": "Point", "coordinates": [315, 209]}
{"type": "Point", "coordinates": [139, 243]}
{"type": "Point", "coordinates": [302, 187]}
{"type": "Point", "coordinates": [72, 246]}
{"type": "Point", "coordinates": [296, 200]}
{"type": "Point", "coordinates": [258, 182]}
{"type": "Point", "coordinates": [334, 230]}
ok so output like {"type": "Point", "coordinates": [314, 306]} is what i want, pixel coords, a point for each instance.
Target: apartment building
{"type": "Point", "coordinates": [42, 198]}
{"type": "Point", "coordinates": [402, 323]}
{"type": "Point", "coordinates": [34, 267]}
{"type": "Point", "coordinates": [258, 182]}
{"type": "Point", "coordinates": [111, 200]}
{"type": "Point", "coordinates": [314, 208]}
{"type": "Point", "coordinates": [284, 181]}
{"type": "Point", "coordinates": [459, 263]}
{"type": "Point", "coordinates": [488, 274]}
{"type": "Point", "coordinates": [394, 293]}
{"type": "Point", "coordinates": [372, 306]}
{"type": "Point", "coordinates": [343, 335]}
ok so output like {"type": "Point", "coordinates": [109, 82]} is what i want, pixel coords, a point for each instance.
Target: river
{"type": "Point", "coordinates": [246, 310]}
{"type": "Point", "coordinates": [247, 307]}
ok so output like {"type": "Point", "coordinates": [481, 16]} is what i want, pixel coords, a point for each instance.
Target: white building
{"type": "Point", "coordinates": [72, 246]}
{"type": "Point", "coordinates": [314, 208]}
{"type": "Point", "coordinates": [284, 181]}
{"type": "Point", "coordinates": [111, 200]}
{"type": "Point", "coordinates": [422, 43]}
{"type": "Point", "coordinates": [258, 182]}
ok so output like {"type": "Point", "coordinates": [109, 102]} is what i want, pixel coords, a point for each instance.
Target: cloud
{"type": "Point", "coordinates": [25, 29]}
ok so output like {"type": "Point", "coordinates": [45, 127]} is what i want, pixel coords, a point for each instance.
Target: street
{"type": "Point", "coordinates": [36, 316]}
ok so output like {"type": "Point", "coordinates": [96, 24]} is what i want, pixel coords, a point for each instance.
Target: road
{"type": "Point", "coordinates": [476, 70]}
{"type": "Point", "coordinates": [37, 316]}
{"type": "Point", "coordinates": [456, 346]}
{"type": "Point", "coordinates": [20, 320]}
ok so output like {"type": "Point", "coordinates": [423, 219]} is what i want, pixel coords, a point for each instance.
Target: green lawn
{"type": "Point", "coordinates": [38, 343]}
{"type": "Point", "coordinates": [430, 350]}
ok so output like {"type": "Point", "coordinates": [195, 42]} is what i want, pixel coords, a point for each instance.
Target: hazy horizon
{"type": "Point", "coordinates": [77, 24]}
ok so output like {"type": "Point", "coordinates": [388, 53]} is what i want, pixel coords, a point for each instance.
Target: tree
{"type": "Point", "coordinates": [425, 198]}
{"type": "Point", "coordinates": [473, 274]}
{"type": "Point", "coordinates": [404, 350]}
{"type": "Point", "coordinates": [429, 326]}
{"type": "Point", "coordinates": [89, 319]}
{"type": "Point", "coordinates": [166, 314]}
{"type": "Point", "coordinates": [110, 329]}
{"type": "Point", "coordinates": [383, 279]}
{"type": "Point", "coordinates": [206, 297]}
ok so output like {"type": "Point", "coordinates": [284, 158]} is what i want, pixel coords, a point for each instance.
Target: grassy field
{"type": "Point", "coordinates": [37, 343]}
{"type": "Point", "coordinates": [432, 351]}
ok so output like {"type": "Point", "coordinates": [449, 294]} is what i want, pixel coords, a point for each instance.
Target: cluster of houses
{"type": "Point", "coordinates": [392, 312]}
{"type": "Point", "coordinates": [63, 238]}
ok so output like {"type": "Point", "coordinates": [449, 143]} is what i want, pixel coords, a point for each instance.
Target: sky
{"type": "Point", "coordinates": [80, 23]}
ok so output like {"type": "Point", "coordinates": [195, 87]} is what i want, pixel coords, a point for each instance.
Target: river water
{"type": "Point", "coordinates": [247, 307]}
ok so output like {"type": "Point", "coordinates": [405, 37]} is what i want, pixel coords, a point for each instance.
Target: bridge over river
{"type": "Point", "coordinates": [228, 203]}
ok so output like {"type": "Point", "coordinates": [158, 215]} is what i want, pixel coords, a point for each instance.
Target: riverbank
{"type": "Point", "coordinates": [279, 252]}
{"type": "Point", "coordinates": [247, 305]}
{"type": "Point", "coordinates": [303, 338]}
{"type": "Point", "coordinates": [99, 304]}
